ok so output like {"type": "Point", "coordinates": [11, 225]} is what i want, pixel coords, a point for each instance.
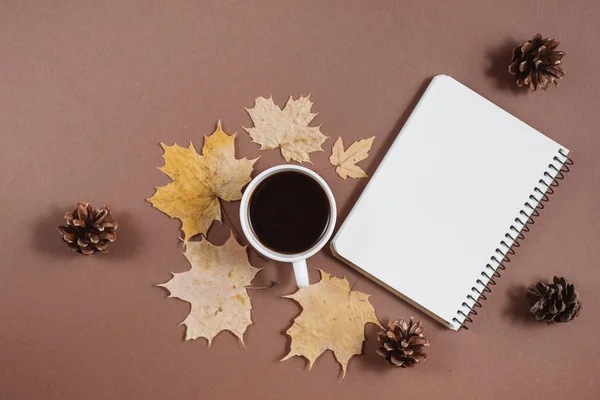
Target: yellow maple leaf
{"type": "Point", "coordinates": [199, 181]}
{"type": "Point", "coordinates": [215, 286]}
{"type": "Point", "coordinates": [345, 161]}
{"type": "Point", "coordinates": [286, 129]}
{"type": "Point", "coordinates": [333, 318]}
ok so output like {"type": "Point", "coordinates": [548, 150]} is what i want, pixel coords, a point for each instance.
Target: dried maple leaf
{"type": "Point", "coordinates": [215, 286]}
{"type": "Point", "coordinates": [333, 318]}
{"type": "Point", "coordinates": [286, 129]}
{"type": "Point", "coordinates": [199, 181]}
{"type": "Point", "coordinates": [345, 161]}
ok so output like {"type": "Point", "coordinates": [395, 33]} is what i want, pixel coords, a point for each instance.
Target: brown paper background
{"type": "Point", "coordinates": [89, 88]}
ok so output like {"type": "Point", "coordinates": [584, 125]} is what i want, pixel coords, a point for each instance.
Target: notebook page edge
{"type": "Point", "coordinates": [391, 289]}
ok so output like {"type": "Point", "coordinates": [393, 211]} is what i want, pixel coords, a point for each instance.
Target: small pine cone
{"type": "Point", "coordinates": [554, 302]}
{"type": "Point", "coordinates": [402, 344]}
{"type": "Point", "coordinates": [536, 63]}
{"type": "Point", "coordinates": [88, 231]}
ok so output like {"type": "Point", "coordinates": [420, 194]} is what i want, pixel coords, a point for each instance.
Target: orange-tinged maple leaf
{"type": "Point", "coordinates": [333, 318]}
{"type": "Point", "coordinates": [199, 181]}
{"type": "Point", "coordinates": [215, 286]}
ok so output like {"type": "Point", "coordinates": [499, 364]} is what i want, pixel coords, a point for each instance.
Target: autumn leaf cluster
{"type": "Point", "coordinates": [333, 316]}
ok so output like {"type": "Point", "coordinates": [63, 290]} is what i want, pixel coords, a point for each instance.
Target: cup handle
{"type": "Point", "coordinates": [301, 273]}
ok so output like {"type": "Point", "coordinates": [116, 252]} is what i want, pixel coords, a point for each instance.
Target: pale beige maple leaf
{"type": "Point", "coordinates": [345, 160]}
{"type": "Point", "coordinates": [286, 129]}
{"type": "Point", "coordinates": [199, 181]}
{"type": "Point", "coordinates": [215, 287]}
{"type": "Point", "coordinates": [333, 318]}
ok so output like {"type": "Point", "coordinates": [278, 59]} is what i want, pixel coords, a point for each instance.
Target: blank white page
{"type": "Point", "coordinates": [445, 196]}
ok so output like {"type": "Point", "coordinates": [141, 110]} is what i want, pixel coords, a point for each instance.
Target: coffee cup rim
{"type": "Point", "coordinates": [245, 218]}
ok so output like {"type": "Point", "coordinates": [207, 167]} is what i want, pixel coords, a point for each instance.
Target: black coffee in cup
{"type": "Point", "coordinates": [289, 212]}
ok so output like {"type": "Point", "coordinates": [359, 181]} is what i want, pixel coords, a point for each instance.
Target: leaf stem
{"type": "Point", "coordinates": [236, 234]}
{"type": "Point", "coordinates": [273, 284]}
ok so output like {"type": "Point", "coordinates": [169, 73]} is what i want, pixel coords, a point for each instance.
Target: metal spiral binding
{"type": "Point", "coordinates": [515, 234]}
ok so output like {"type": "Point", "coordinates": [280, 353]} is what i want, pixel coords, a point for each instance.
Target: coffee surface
{"type": "Point", "coordinates": [289, 212]}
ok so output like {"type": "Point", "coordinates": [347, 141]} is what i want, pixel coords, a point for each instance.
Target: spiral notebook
{"type": "Point", "coordinates": [450, 201]}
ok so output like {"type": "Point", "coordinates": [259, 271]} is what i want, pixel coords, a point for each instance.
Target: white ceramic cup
{"type": "Point", "coordinates": [298, 260]}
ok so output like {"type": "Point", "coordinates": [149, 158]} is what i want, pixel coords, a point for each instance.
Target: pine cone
{"type": "Point", "coordinates": [402, 344]}
{"type": "Point", "coordinates": [555, 302]}
{"type": "Point", "coordinates": [88, 231]}
{"type": "Point", "coordinates": [536, 63]}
